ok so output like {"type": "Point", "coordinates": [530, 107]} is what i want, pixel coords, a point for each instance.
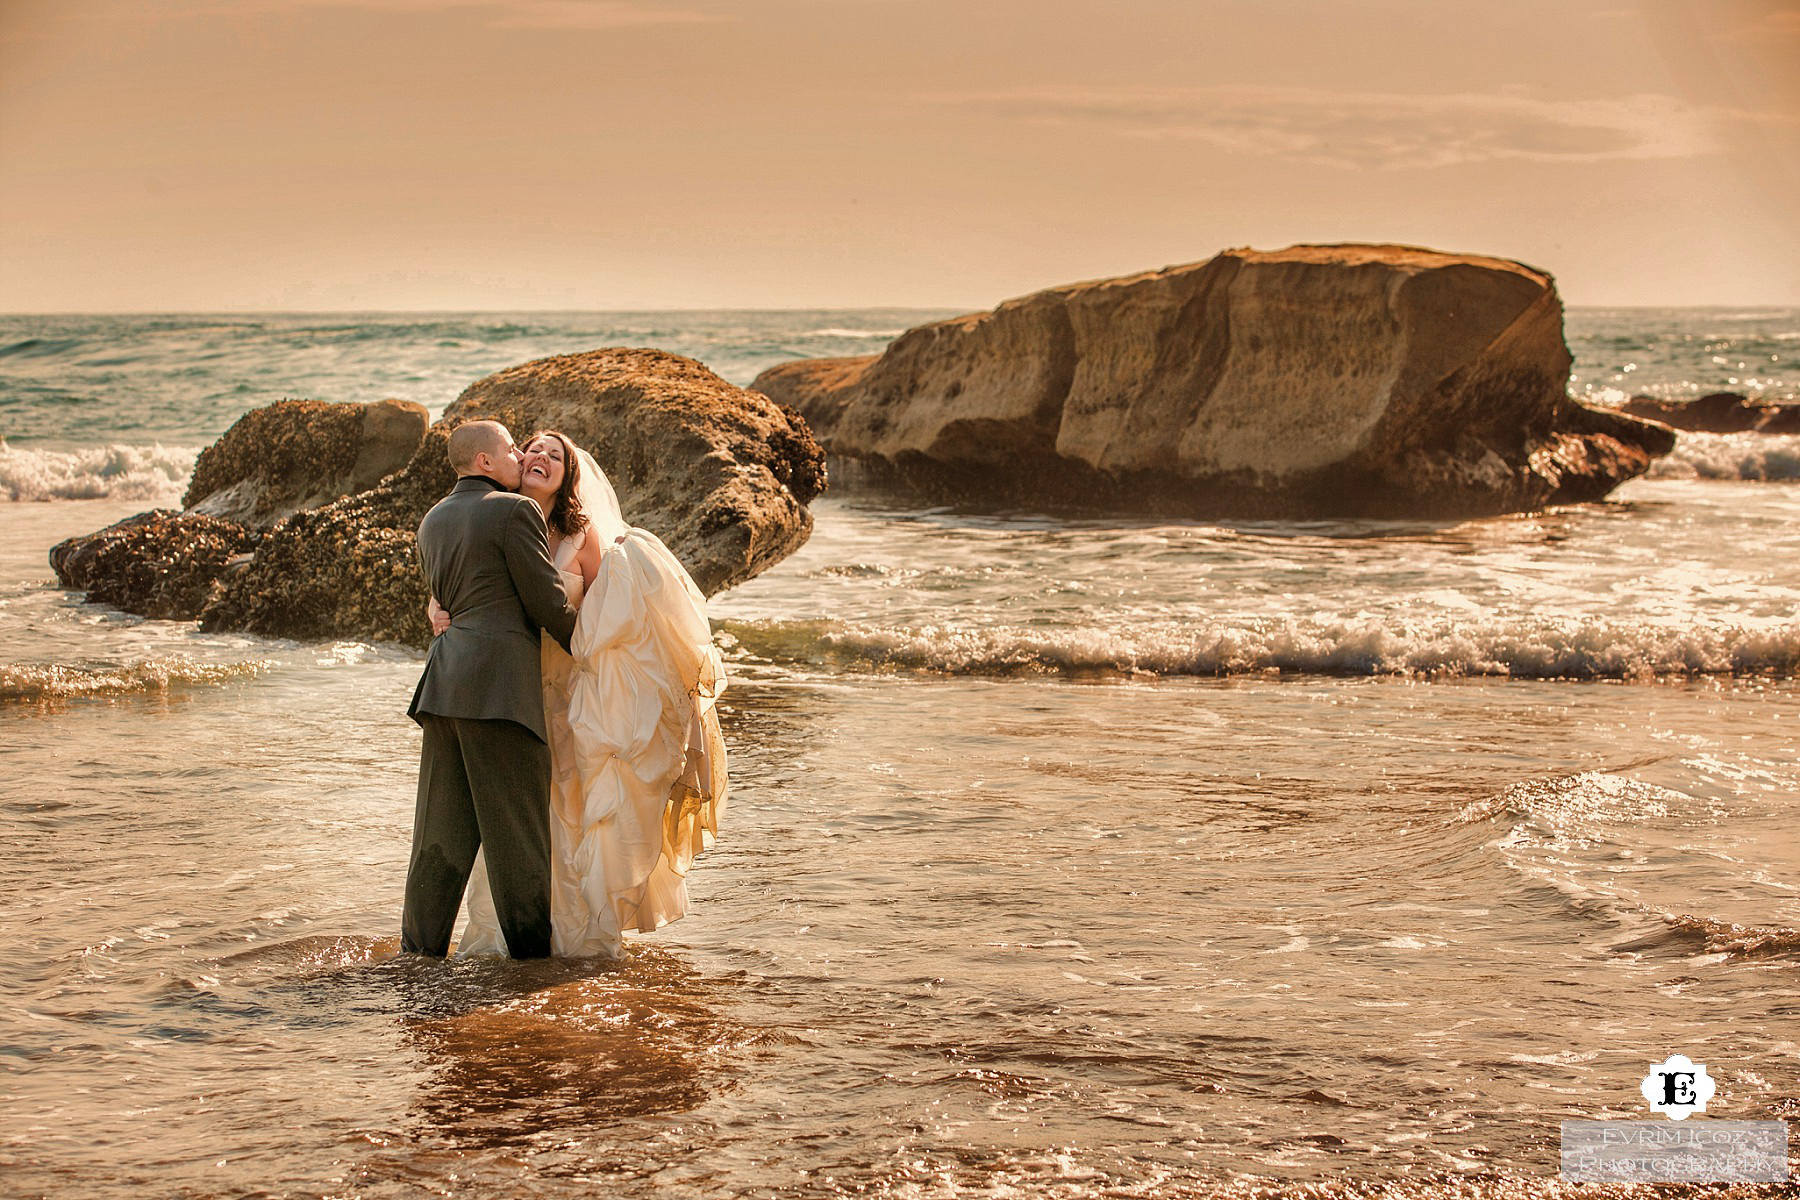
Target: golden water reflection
{"type": "Point", "coordinates": [509, 1050]}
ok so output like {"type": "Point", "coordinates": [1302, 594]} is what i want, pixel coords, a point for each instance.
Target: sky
{"type": "Point", "coordinates": [321, 155]}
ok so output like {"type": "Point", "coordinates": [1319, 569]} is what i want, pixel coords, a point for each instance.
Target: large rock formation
{"type": "Point", "coordinates": [272, 462]}
{"type": "Point", "coordinates": [722, 475]}
{"type": "Point", "coordinates": [1317, 380]}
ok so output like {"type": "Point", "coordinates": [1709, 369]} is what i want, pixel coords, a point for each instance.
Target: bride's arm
{"type": "Point", "coordinates": [440, 620]}
{"type": "Point", "coordinates": [588, 557]}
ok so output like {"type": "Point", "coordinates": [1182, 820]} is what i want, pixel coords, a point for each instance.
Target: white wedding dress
{"type": "Point", "coordinates": [637, 765]}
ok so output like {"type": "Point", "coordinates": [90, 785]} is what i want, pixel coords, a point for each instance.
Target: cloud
{"type": "Point", "coordinates": [528, 14]}
{"type": "Point", "coordinates": [1368, 129]}
{"type": "Point", "coordinates": [591, 14]}
{"type": "Point", "coordinates": [1779, 20]}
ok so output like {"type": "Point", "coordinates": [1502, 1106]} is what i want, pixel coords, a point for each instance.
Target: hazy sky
{"type": "Point", "coordinates": [209, 155]}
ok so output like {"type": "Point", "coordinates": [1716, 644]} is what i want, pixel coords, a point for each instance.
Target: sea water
{"type": "Point", "coordinates": [1065, 857]}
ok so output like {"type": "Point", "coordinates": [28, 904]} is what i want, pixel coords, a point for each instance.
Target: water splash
{"type": "Point", "coordinates": [36, 682]}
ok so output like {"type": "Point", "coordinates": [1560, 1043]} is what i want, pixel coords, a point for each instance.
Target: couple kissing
{"type": "Point", "coordinates": [571, 766]}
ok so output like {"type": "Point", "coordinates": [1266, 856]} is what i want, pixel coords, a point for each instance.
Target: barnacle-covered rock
{"type": "Point", "coordinates": [721, 474]}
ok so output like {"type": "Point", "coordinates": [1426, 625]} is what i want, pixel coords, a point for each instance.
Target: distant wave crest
{"type": "Point", "coordinates": [156, 474]}
{"type": "Point", "coordinates": [1710, 935]}
{"type": "Point", "coordinates": [1517, 649]}
{"type": "Point", "coordinates": [27, 682]}
{"type": "Point", "coordinates": [34, 347]}
{"type": "Point", "coordinates": [1757, 456]}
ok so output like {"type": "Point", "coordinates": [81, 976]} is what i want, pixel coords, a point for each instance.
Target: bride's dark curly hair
{"type": "Point", "coordinates": [566, 517]}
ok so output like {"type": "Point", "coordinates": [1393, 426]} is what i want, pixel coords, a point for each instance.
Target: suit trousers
{"type": "Point", "coordinates": [482, 783]}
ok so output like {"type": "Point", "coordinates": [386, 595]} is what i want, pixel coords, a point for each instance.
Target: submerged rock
{"type": "Point", "coordinates": [160, 564]}
{"type": "Point", "coordinates": [1314, 381]}
{"type": "Point", "coordinates": [1719, 412]}
{"type": "Point", "coordinates": [721, 474]}
{"type": "Point", "coordinates": [298, 454]}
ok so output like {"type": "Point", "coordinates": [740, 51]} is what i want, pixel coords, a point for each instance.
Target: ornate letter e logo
{"type": "Point", "coordinates": [1678, 1087]}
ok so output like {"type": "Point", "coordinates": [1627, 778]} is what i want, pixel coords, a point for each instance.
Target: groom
{"type": "Point", "coordinates": [484, 772]}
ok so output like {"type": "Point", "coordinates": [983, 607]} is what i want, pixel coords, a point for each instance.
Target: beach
{"type": "Point", "coordinates": [1067, 855]}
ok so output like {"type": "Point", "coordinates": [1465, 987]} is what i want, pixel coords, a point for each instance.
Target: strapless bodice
{"type": "Point", "coordinates": [569, 569]}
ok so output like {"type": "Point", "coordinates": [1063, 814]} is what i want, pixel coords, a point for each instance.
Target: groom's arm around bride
{"type": "Point", "coordinates": [484, 769]}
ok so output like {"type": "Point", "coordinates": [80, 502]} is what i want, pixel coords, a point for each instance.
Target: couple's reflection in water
{"type": "Point", "coordinates": [509, 1050]}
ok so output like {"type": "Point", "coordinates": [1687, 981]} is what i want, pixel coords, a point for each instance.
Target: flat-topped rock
{"type": "Point", "coordinates": [1351, 380]}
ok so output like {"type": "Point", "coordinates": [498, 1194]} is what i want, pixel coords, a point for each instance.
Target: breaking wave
{"type": "Point", "coordinates": [1575, 804]}
{"type": "Point", "coordinates": [1755, 456]}
{"type": "Point", "coordinates": [156, 474]}
{"type": "Point", "coordinates": [28, 682]}
{"type": "Point", "coordinates": [1570, 649]}
{"type": "Point", "coordinates": [1686, 933]}
{"type": "Point", "coordinates": [1571, 832]}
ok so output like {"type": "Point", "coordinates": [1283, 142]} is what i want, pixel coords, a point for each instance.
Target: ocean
{"type": "Point", "coordinates": [1065, 857]}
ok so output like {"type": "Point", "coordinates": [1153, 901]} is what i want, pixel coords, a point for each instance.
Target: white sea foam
{"type": "Point", "coordinates": [156, 474]}
{"type": "Point", "coordinates": [56, 681]}
{"type": "Point", "coordinates": [853, 333]}
{"type": "Point", "coordinates": [1760, 456]}
{"type": "Point", "coordinates": [1527, 649]}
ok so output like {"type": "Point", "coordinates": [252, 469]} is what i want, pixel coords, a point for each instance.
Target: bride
{"type": "Point", "coordinates": [637, 765]}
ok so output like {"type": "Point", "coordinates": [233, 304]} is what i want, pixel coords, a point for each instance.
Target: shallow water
{"type": "Point", "coordinates": [1060, 930]}
{"type": "Point", "coordinates": [1658, 582]}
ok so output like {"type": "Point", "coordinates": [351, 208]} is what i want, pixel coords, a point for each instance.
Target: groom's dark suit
{"type": "Point", "coordinates": [484, 771]}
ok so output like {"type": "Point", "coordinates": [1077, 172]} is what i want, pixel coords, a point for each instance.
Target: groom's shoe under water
{"type": "Point", "coordinates": [482, 783]}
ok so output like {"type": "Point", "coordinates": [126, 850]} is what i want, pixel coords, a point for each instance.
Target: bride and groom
{"type": "Point", "coordinates": [568, 777]}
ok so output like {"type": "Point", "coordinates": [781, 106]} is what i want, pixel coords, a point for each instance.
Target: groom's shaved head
{"type": "Point", "coordinates": [475, 437]}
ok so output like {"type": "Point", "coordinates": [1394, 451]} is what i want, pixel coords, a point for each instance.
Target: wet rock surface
{"type": "Point", "coordinates": [160, 564]}
{"type": "Point", "coordinates": [1719, 412]}
{"type": "Point", "coordinates": [1314, 381]}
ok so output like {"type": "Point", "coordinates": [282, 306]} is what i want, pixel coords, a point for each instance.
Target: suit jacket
{"type": "Point", "coordinates": [485, 552]}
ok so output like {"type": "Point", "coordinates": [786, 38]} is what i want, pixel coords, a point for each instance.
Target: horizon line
{"type": "Point", "coordinates": [798, 308]}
